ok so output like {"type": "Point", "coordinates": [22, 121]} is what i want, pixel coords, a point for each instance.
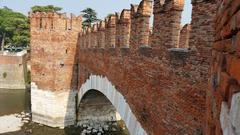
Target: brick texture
{"type": "Point", "coordinates": [54, 50]}
{"type": "Point", "coordinates": [225, 64]}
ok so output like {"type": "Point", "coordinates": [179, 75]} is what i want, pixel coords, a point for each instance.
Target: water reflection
{"type": "Point", "coordinates": [14, 101]}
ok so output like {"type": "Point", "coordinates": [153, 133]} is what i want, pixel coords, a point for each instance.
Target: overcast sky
{"type": "Point", "coordinates": [102, 7]}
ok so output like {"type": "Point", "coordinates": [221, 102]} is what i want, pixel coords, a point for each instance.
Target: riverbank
{"type": "Point", "coordinates": [10, 123]}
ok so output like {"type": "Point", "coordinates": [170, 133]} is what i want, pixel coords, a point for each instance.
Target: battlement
{"type": "Point", "coordinates": [52, 21]}
{"type": "Point", "coordinates": [145, 8]}
{"type": "Point", "coordinates": [130, 27]}
{"type": "Point", "coordinates": [167, 5]}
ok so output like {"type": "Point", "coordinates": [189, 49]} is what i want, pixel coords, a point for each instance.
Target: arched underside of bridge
{"type": "Point", "coordinates": [103, 85]}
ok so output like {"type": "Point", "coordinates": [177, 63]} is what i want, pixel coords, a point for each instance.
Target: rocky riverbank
{"type": "Point", "coordinates": [21, 124]}
{"type": "Point", "coordinates": [100, 128]}
{"type": "Point", "coordinates": [13, 122]}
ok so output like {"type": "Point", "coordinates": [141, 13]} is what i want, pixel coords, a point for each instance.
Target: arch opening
{"type": "Point", "coordinates": [97, 113]}
{"type": "Point", "coordinates": [95, 106]}
{"type": "Point", "coordinates": [105, 87]}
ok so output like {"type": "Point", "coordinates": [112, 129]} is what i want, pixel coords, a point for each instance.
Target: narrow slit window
{"type": "Point", "coordinates": [40, 25]}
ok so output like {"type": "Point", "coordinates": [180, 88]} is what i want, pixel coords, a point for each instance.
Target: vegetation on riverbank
{"type": "Point", "coordinates": [14, 29]}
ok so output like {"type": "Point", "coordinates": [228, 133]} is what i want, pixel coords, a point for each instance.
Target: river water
{"type": "Point", "coordinates": [15, 117]}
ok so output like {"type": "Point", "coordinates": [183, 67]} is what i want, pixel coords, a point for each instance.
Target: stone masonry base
{"type": "Point", "coordinates": [53, 108]}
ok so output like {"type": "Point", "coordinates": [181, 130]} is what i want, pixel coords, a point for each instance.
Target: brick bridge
{"type": "Point", "coordinates": [167, 80]}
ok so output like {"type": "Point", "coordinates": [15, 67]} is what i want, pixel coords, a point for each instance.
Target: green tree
{"type": "Point", "coordinates": [48, 8]}
{"type": "Point", "coordinates": [90, 16]}
{"type": "Point", "coordinates": [14, 28]}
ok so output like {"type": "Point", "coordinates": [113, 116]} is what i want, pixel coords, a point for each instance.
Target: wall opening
{"type": "Point", "coordinates": [187, 13]}
{"type": "Point", "coordinates": [40, 24]}
{"type": "Point", "coordinates": [4, 75]}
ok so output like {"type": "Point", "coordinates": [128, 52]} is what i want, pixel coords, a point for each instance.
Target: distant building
{"type": "Point", "coordinates": [13, 70]}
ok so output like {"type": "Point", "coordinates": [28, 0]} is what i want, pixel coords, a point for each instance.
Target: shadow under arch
{"type": "Point", "coordinates": [103, 85]}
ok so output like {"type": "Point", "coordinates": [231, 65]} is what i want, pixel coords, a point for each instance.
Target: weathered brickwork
{"type": "Point", "coordinates": [123, 32]}
{"type": "Point", "coordinates": [54, 40]}
{"type": "Point", "coordinates": [202, 33]}
{"type": "Point", "coordinates": [110, 37]}
{"type": "Point", "coordinates": [140, 18]}
{"type": "Point", "coordinates": [166, 25]}
{"type": "Point", "coordinates": [184, 36]}
{"type": "Point", "coordinates": [223, 97]}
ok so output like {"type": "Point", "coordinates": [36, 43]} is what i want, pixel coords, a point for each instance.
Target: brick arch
{"type": "Point", "coordinates": [103, 85]}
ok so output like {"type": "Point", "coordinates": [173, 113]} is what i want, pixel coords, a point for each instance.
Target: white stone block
{"type": "Point", "coordinates": [225, 120]}
{"type": "Point", "coordinates": [55, 109]}
{"type": "Point", "coordinates": [235, 112]}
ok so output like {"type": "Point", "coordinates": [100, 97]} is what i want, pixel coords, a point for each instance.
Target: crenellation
{"type": "Point", "coordinates": [76, 22]}
{"type": "Point", "coordinates": [145, 8]}
{"type": "Point", "coordinates": [125, 24]}
{"type": "Point", "coordinates": [118, 30]}
{"type": "Point", "coordinates": [133, 31]}
{"type": "Point", "coordinates": [111, 31]}
{"type": "Point", "coordinates": [140, 24]}
{"type": "Point", "coordinates": [101, 34]}
{"type": "Point", "coordinates": [50, 21]}
{"type": "Point", "coordinates": [166, 25]}
{"type": "Point", "coordinates": [203, 16]}
{"type": "Point", "coordinates": [144, 13]}
{"type": "Point", "coordinates": [94, 31]}
{"type": "Point", "coordinates": [88, 35]}
{"type": "Point", "coordinates": [82, 38]}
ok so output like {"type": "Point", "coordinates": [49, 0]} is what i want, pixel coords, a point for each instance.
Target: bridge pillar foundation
{"type": "Point", "coordinates": [53, 108]}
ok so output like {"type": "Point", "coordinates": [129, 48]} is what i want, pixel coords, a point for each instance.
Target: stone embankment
{"type": "Point", "coordinates": [13, 70]}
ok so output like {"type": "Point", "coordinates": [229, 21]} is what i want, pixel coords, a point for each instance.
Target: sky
{"type": "Point", "coordinates": [102, 7]}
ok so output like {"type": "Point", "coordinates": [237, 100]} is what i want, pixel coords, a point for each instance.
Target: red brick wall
{"type": "Point", "coordinates": [225, 67]}
{"type": "Point", "coordinates": [53, 50]}
{"type": "Point", "coordinates": [166, 25]}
